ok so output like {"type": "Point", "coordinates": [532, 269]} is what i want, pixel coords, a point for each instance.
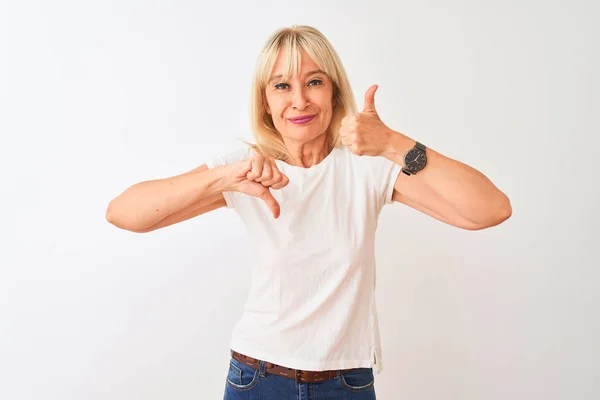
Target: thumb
{"type": "Point", "coordinates": [268, 198]}
{"type": "Point", "coordinates": [370, 99]}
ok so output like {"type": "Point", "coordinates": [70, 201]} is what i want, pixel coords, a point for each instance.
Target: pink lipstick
{"type": "Point", "coordinates": [302, 120]}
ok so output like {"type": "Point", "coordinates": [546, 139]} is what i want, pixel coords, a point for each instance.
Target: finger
{"type": "Point", "coordinates": [268, 198]}
{"type": "Point", "coordinates": [267, 173]}
{"type": "Point", "coordinates": [370, 99]}
{"type": "Point", "coordinates": [241, 169]}
{"type": "Point", "coordinates": [343, 131]}
{"type": "Point", "coordinates": [275, 175]}
{"type": "Point", "coordinates": [257, 166]}
{"type": "Point", "coordinates": [282, 183]}
{"type": "Point", "coordinates": [345, 137]}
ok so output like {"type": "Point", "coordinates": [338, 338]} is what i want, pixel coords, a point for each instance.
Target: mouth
{"type": "Point", "coordinates": [302, 120]}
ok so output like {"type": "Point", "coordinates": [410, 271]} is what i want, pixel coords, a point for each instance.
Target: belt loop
{"type": "Point", "coordinates": [262, 368]}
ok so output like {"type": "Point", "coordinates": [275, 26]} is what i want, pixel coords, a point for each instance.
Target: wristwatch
{"type": "Point", "coordinates": [415, 159]}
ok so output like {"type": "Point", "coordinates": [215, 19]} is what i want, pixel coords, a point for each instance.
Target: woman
{"type": "Point", "coordinates": [324, 172]}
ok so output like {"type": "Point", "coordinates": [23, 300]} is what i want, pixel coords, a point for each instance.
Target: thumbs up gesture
{"type": "Point", "coordinates": [364, 133]}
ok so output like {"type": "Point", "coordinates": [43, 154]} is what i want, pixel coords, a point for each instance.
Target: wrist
{"type": "Point", "coordinates": [398, 144]}
{"type": "Point", "coordinates": [223, 179]}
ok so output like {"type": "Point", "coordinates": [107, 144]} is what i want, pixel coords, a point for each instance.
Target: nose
{"type": "Point", "coordinates": [299, 100]}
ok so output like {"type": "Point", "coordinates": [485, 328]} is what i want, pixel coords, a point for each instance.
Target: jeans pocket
{"type": "Point", "coordinates": [241, 376]}
{"type": "Point", "coordinates": [358, 379]}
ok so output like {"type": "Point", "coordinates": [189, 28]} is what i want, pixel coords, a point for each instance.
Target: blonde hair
{"type": "Point", "coordinates": [292, 41]}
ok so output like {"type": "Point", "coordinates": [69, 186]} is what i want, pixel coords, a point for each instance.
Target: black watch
{"type": "Point", "coordinates": [415, 159]}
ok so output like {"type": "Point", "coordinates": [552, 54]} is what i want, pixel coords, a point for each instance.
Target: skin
{"type": "Point", "coordinates": [306, 93]}
{"type": "Point", "coordinates": [447, 189]}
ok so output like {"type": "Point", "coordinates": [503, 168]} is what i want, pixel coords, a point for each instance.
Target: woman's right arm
{"type": "Point", "coordinates": [153, 204]}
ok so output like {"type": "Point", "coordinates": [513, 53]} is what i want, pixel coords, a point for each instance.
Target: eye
{"type": "Point", "coordinates": [280, 86]}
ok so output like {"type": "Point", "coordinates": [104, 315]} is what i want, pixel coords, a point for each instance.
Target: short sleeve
{"type": "Point", "coordinates": [231, 157]}
{"type": "Point", "coordinates": [382, 176]}
{"type": "Point", "coordinates": [390, 171]}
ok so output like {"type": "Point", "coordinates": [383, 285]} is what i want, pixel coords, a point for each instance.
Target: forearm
{"type": "Point", "coordinates": [469, 192]}
{"type": "Point", "coordinates": [146, 203]}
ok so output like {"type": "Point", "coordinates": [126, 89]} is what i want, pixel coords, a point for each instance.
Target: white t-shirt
{"type": "Point", "coordinates": [312, 304]}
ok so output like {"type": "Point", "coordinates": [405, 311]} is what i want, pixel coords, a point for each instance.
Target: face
{"type": "Point", "coordinates": [307, 94]}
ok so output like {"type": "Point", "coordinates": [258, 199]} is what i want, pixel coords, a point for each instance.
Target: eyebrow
{"type": "Point", "coordinates": [317, 71]}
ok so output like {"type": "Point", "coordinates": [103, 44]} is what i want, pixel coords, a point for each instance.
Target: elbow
{"type": "Point", "coordinates": [112, 216]}
{"type": "Point", "coordinates": [109, 215]}
{"type": "Point", "coordinates": [504, 210]}
{"type": "Point", "coordinates": [113, 219]}
{"type": "Point", "coordinates": [507, 210]}
{"type": "Point", "coordinates": [500, 214]}
{"type": "Point", "coordinates": [500, 217]}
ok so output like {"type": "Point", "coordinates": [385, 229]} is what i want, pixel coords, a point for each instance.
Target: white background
{"type": "Point", "coordinates": [96, 96]}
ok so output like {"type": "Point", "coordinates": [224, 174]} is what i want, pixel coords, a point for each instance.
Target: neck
{"type": "Point", "coordinates": [307, 154]}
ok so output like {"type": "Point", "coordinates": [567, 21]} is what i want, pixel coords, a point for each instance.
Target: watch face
{"type": "Point", "coordinates": [415, 160]}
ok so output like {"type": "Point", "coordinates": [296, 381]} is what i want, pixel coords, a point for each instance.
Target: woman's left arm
{"type": "Point", "coordinates": [447, 189]}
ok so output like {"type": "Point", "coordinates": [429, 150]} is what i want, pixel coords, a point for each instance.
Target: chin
{"type": "Point", "coordinates": [304, 136]}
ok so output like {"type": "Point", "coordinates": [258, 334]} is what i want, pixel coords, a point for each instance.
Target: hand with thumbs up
{"type": "Point", "coordinates": [255, 176]}
{"type": "Point", "coordinates": [364, 133]}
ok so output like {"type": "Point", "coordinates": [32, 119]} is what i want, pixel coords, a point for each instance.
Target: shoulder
{"type": "Point", "coordinates": [378, 173]}
{"type": "Point", "coordinates": [237, 154]}
{"type": "Point", "coordinates": [370, 165]}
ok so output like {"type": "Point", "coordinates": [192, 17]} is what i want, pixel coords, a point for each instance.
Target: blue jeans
{"type": "Point", "coordinates": [246, 383]}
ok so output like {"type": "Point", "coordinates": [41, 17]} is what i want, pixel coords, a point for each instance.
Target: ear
{"type": "Point", "coordinates": [265, 104]}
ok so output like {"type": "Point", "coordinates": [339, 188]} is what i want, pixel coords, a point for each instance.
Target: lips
{"type": "Point", "coordinates": [302, 119]}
